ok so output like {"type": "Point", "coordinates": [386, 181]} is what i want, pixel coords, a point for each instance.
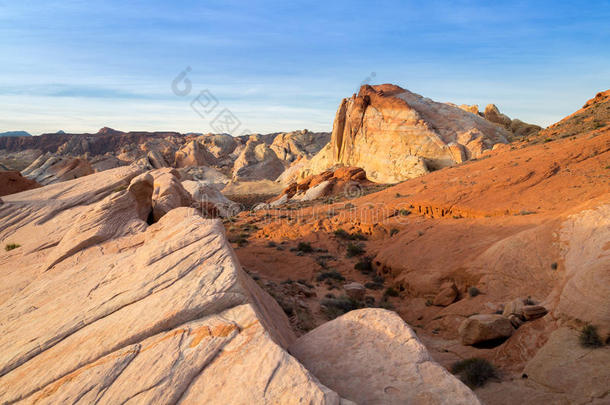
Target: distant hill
{"type": "Point", "coordinates": [15, 133]}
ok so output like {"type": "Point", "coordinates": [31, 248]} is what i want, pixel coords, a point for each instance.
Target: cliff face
{"type": "Point", "coordinates": [394, 134]}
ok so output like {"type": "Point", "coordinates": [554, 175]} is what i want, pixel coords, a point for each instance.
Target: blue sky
{"type": "Point", "coordinates": [278, 66]}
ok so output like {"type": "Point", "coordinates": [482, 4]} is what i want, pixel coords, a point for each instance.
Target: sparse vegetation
{"type": "Point", "coordinates": [11, 246]}
{"type": "Point", "coordinates": [373, 286]}
{"type": "Point", "coordinates": [332, 275]}
{"type": "Point", "coordinates": [404, 212]}
{"type": "Point", "coordinates": [343, 234]}
{"type": "Point", "coordinates": [393, 231]}
{"type": "Point", "coordinates": [334, 307]}
{"type": "Point", "coordinates": [240, 239]}
{"type": "Point", "coordinates": [364, 265]}
{"type": "Point", "coordinates": [390, 292]}
{"type": "Point", "coordinates": [304, 247]}
{"type": "Point", "coordinates": [473, 291]}
{"type": "Point", "coordinates": [354, 250]}
{"type": "Point", "coordinates": [554, 266]}
{"type": "Point", "coordinates": [589, 337]}
{"type": "Point", "coordinates": [474, 372]}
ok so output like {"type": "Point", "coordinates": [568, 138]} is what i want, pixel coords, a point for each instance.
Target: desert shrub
{"type": "Point", "coordinates": [393, 231]}
{"type": "Point", "coordinates": [365, 265]}
{"type": "Point", "coordinates": [589, 337]}
{"type": "Point", "coordinates": [343, 234]}
{"type": "Point", "coordinates": [334, 307]}
{"type": "Point", "coordinates": [330, 275]}
{"type": "Point", "coordinates": [240, 240]}
{"type": "Point", "coordinates": [378, 279]}
{"type": "Point", "coordinates": [554, 266]}
{"type": "Point", "coordinates": [354, 250]}
{"type": "Point", "coordinates": [373, 286]}
{"type": "Point", "coordinates": [390, 292]}
{"type": "Point", "coordinates": [304, 247]}
{"type": "Point", "coordinates": [474, 372]}
{"type": "Point", "coordinates": [11, 246]}
{"type": "Point", "coordinates": [271, 244]}
{"type": "Point", "coordinates": [473, 291]}
{"type": "Point", "coordinates": [403, 212]}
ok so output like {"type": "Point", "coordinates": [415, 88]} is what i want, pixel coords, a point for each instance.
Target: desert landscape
{"type": "Point", "coordinates": [416, 251]}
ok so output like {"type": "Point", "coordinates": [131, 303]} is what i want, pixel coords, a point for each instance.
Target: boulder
{"type": "Point", "coordinates": [484, 327]}
{"type": "Point", "coordinates": [370, 356]}
{"type": "Point", "coordinates": [531, 312]}
{"type": "Point", "coordinates": [355, 291]}
{"type": "Point", "coordinates": [168, 192]}
{"type": "Point", "coordinates": [210, 200]}
{"type": "Point", "coordinates": [292, 146]}
{"type": "Point", "coordinates": [447, 294]}
{"type": "Point", "coordinates": [514, 307]}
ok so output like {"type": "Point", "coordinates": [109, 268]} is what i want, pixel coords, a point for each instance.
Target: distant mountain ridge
{"type": "Point", "coordinates": [15, 133]}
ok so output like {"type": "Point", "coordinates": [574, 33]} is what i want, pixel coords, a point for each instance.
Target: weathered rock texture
{"type": "Point", "coordinates": [371, 356]}
{"type": "Point", "coordinates": [13, 182]}
{"type": "Point", "coordinates": [394, 134]}
{"type": "Point", "coordinates": [48, 169]}
{"type": "Point", "coordinates": [159, 314]}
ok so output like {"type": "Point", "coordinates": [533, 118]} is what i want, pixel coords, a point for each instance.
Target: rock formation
{"type": "Point", "coordinates": [13, 182]}
{"type": "Point", "coordinates": [394, 135]}
{"type": "Point", "coordinates": [48, 169]}
{"type": "Point", "coordinates": [160, 311]}
{"type": "Point", "coordinates": [257, 162]}
{"type": "Point", "coordinates": [371, 356]}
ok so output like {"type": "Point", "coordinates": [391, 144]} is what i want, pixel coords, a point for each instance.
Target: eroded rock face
{"type": "Point", "coordinates": [296, 145]}
{"type": "Point", "coordinates": [13, 182]}
{"type": "Point", "coordinates": [49, 169]}
{"type": "Point", "coordinates": [168, 192]}
{"type": "Point", "coordinates": [160, 314]}
{"type": "Point", "coordinates": [386, 130]}
{"type": "Point", "coordinates": [371, 356]}
{"type": "Point", "coordinates": [193, 154]}
{"type": "Point", "coordinates": [257, 162]}
{"type": "Point", "coordinates": [581, 374]}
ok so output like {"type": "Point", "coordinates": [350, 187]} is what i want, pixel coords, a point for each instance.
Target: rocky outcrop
{"type": "Point", "coordinates": [168, 192]}
{"type": "Point", "coordinates": [484, 327]}
{"type": "Point", "coordinates": [49, 169]}
{"type": "Point", "coordinates": [160, 314]}
{"type": "Point", "coordinates": [394, 134]}
{"type": "Point", "coordinates": [371, 356]}
{"type": "Point", "coordinates": [291, 146]}
{"type": "Point", "coordinates": [581, 374]}
{"type": "Point", "coordinates": [193, 154]}
{"type": "Point", "coordinates": [517, 127]}
{"type": "Point", "coordinates": [13, 182]}
{"type": "Point", "coordinates": [593, 116]}
{"type": "Point", "coordinates": [257, 162]}
{"type": "Point", "coordinates": [211, 201]}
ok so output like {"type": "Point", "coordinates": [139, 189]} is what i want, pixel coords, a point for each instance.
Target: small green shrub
{"type": "Point", "coordinates": [589, 337]}
{"type": "Point", "coordinates": [473, 291]}
{"type": "Point", "coordinates": [332, 275]}
{"type": "Point", "coordinates": [554, 266]}
{"type": "Point", "coordinates": [373, 286]}
{"type": "Point", "coordinates": [365, 265]}
{"type": "Point", "coordinates": [393, 231]}
{"type": "Point", "coordinates": [11, 246]}
{"type": "Point", "coordinates": [304, 247]}
{"type": "Point", "coordinates": [403, 212]}
{"type": "Point", "coordinates": [240, 240]}
{"type": "Point", "coordinates": [390, 292]}
{"type": "Point", "coordinates": [354, 250]}
{"type": "Point", "coordinates": [474, 372]}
